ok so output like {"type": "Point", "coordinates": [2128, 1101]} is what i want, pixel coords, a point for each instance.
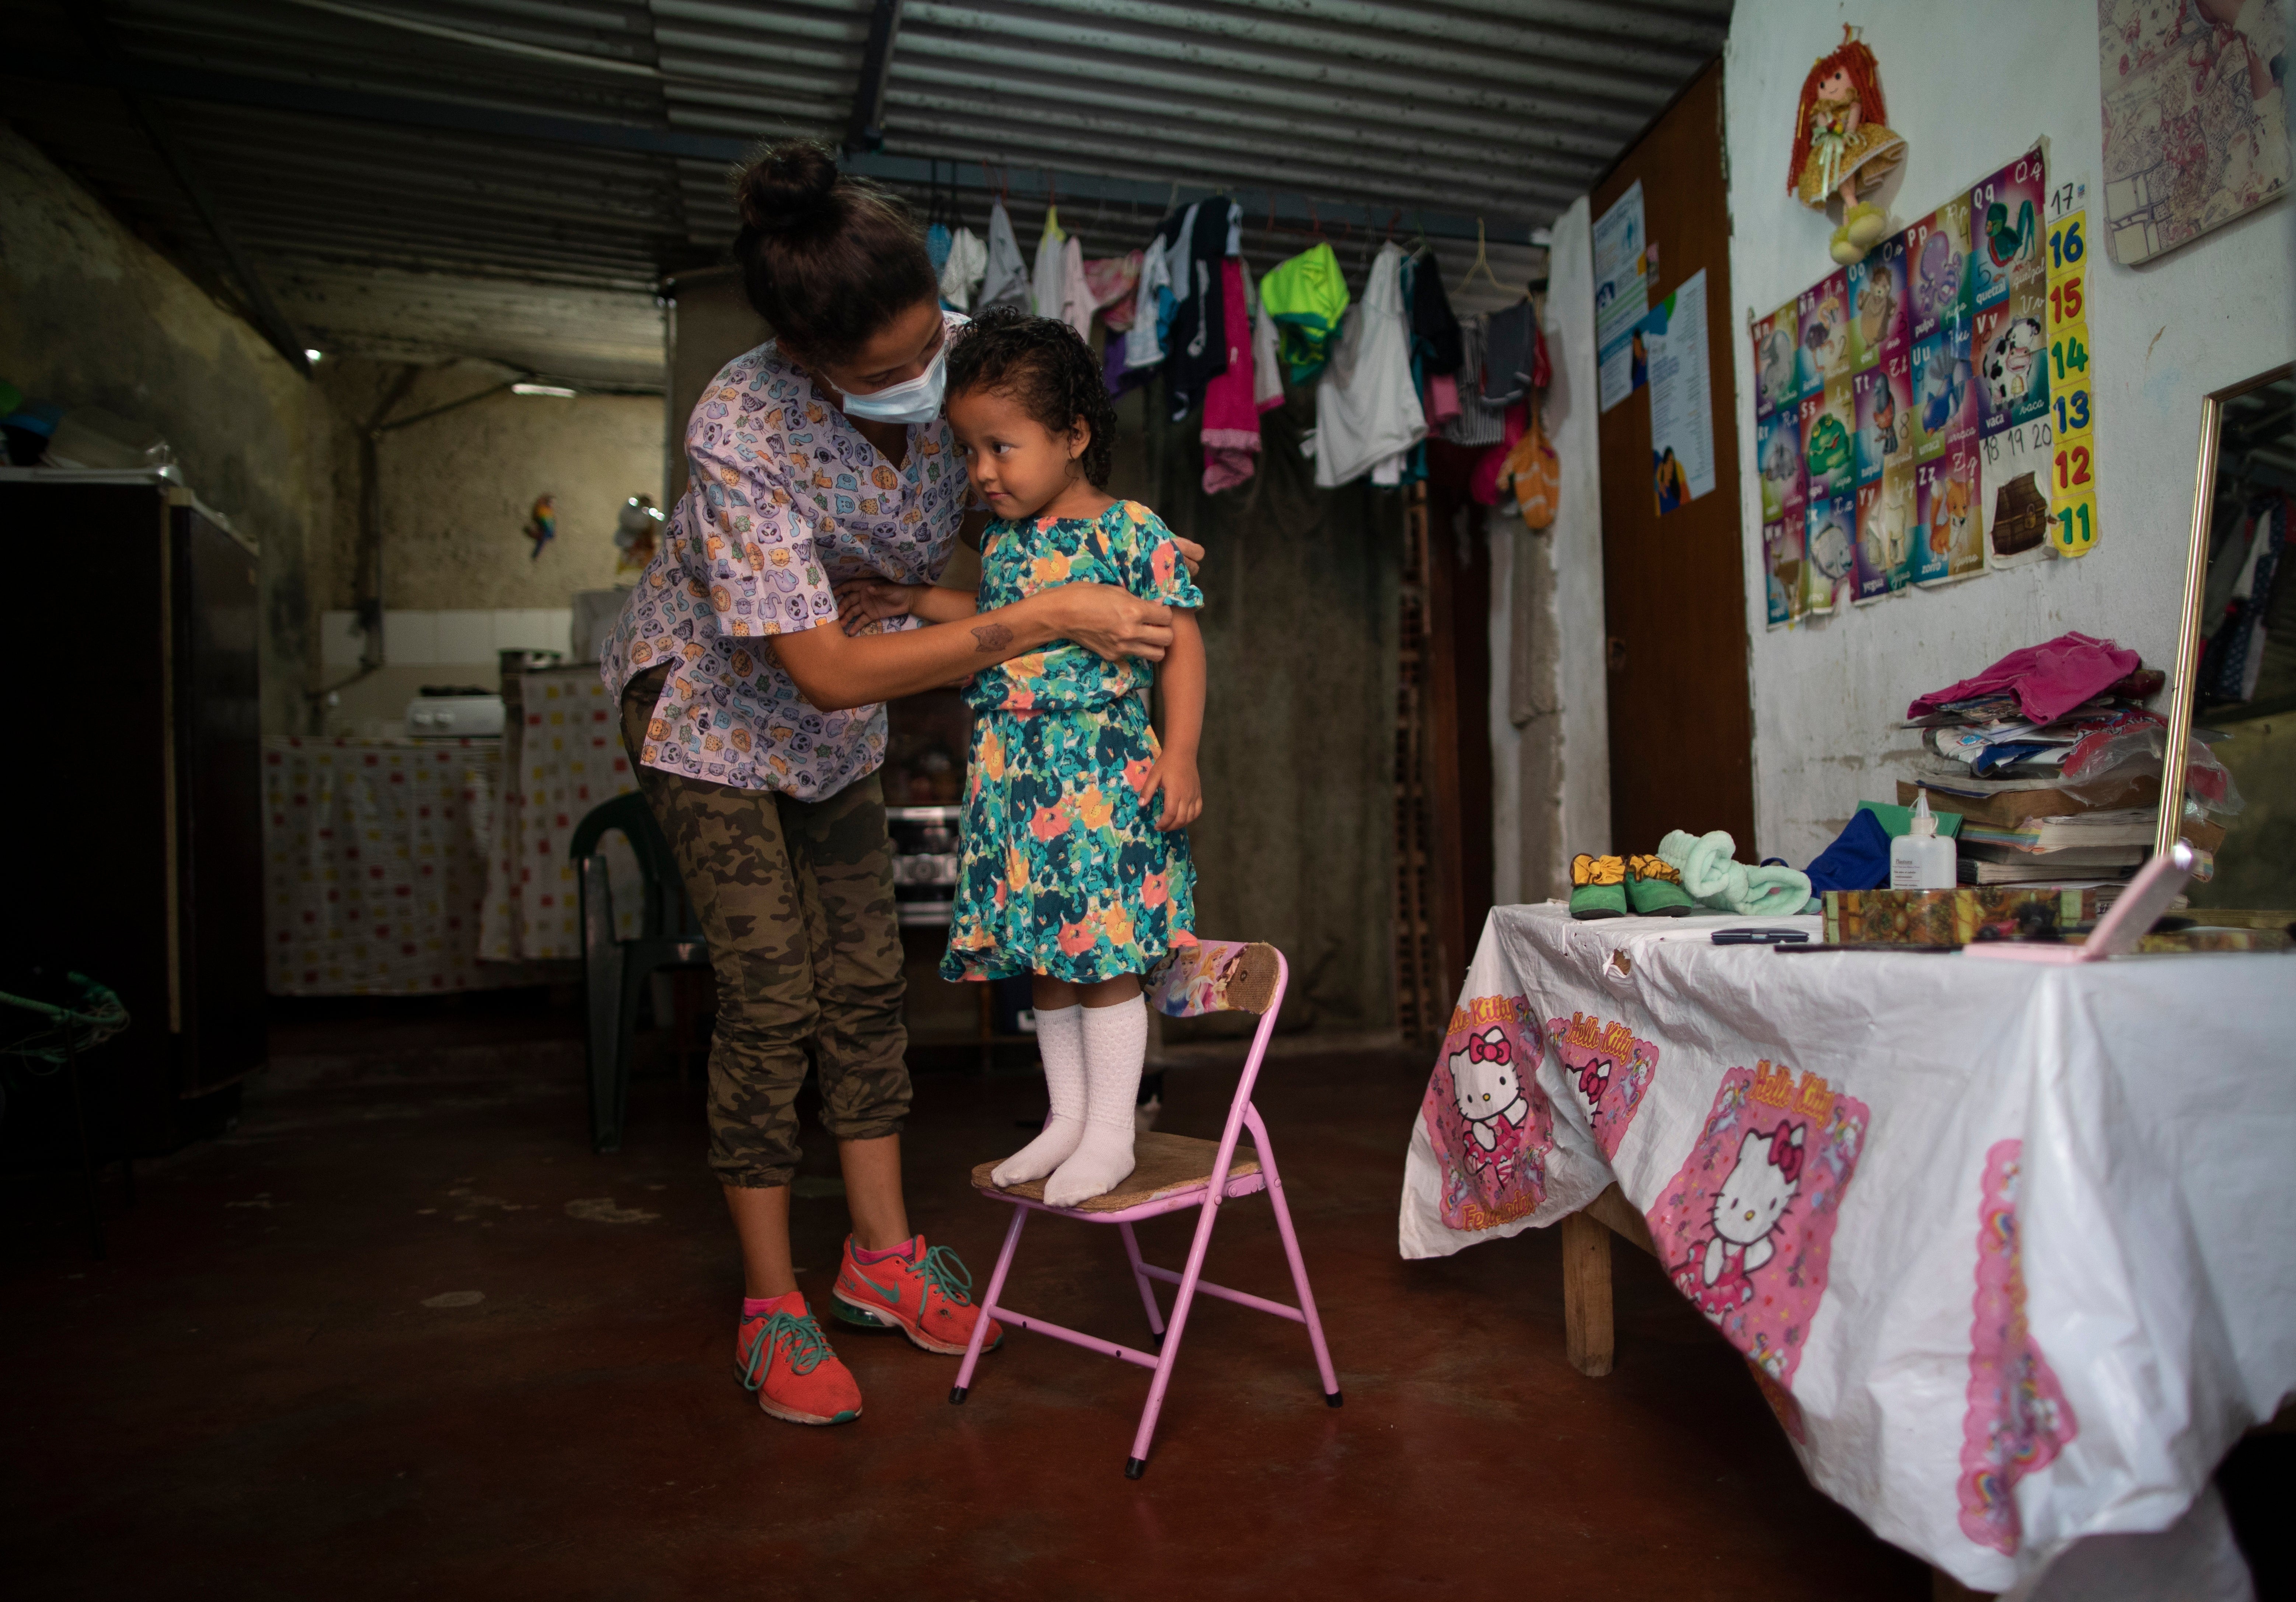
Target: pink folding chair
{"type": "Point", "coordinates": [1172, 1173]}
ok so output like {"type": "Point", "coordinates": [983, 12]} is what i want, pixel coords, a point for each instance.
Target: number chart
{"type": "Point", "coordinates": [1928, 415]}
{"type": "Point", "coordinates": [2072, 480]}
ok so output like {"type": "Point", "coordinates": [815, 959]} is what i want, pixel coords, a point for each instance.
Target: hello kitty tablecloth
{"type": "Point", "coordinates": [2006, 1246]}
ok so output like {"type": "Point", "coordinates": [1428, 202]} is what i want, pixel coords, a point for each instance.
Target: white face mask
{"type": "Point", "coordinates": [916, 401]}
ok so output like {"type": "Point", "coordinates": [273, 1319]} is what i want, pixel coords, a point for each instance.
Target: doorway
{"type": "Point", "coordinates": [1673, 582]}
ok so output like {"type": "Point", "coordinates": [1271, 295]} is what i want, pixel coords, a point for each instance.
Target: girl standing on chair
{"type": "Point", "coordinates": [1073, 870]}
{"type": "Point", "coordinates": [756, 733]}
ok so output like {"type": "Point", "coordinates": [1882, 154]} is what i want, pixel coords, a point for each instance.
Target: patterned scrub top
{"type": "Point", "coordinates": [1062, 870]}
{"type": "Point", "coordinates": [786, 500]}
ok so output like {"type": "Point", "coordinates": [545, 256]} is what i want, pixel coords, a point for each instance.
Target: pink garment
{"type": "Point", "coordinates": [1112, 281]}
{"type": "Point", "coordinates": [1490, 468]}
{"type": "Point", "coordinates": [1231, 413]}
{"type": "Point", "coordinates": [1441, 401]}
{"type": "Point", "coordinates": [2050, 679]}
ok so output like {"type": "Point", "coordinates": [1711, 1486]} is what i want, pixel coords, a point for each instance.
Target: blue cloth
{"type": "Point", "coordinates": [1857, 860]}
{"type": "Point", "coordinates": [938, 240]}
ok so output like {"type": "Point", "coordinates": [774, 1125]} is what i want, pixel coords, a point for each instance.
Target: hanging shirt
{"type": "Point", "coordinates": [1479, 422]}
{"type": "Point", "coordinates": [1231, 430]}
{"type": "Point", "coordinates": [937, 243]}
{"type": "Point", "coordinates": [968, 258]}
{"type": "Point", "coordinates": [1004, 280]}
{"type": "Point", "coordinates": [1143, 346]}
{"type": "Point", "coordinates": [1367, 415]}
{"type": "Point", "coordinates": [1434, 330]}
{"type": "Point", "coordinates": [1266, 366]}
{"type": "Point", "coordinates": [1195, 351]}
{"type": "Point", "coordinates": [787, 500]}
{"type": "Point", "coordinates": [1308, 297]}
{"type": "Point", "coordinates": [1045, 286]}
{"type": "Point", "coordinates": [1112, 281]}
{"type": "Point", "coordinates": [1510, 353]}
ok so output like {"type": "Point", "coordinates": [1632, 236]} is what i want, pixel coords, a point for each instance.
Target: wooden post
{"type": "Point", "coordinates": [1587, 1335]}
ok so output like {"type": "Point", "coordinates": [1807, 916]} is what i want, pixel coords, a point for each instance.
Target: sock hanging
{"type": "Point", "coordinates": [1059, 1039]}
{"type": "Point", "coordinates": [1115, 1049]}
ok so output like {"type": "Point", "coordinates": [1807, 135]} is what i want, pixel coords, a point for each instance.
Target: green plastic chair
{"type": "Point", "coordinates": [613, 970]}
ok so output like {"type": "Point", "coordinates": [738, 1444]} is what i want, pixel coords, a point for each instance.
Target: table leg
{"type": "Point", "coordinates": [1587, 1335]}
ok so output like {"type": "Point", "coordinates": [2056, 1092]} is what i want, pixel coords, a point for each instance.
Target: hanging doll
{"type": "Point", "coordinates": [1841, 148]}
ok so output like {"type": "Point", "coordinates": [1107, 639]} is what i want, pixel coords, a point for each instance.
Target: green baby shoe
{"type": "Point", "coordinates": [1655, 889]}
{"type": "Point", "coordinates": [1598, 887]}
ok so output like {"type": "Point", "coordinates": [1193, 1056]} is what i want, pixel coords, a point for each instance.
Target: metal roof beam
{"type": "Point", "coordinates": [865, 129]}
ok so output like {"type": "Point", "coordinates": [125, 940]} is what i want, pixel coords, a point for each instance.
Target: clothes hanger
{"type": "Point", "coordinates": [1483, 260]}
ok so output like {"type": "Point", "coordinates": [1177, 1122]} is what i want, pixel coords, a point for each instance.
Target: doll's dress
{"type": "Point", "coordinates": [1868, 154]}
{"type": "Point", "coordinates": [1061, 869]}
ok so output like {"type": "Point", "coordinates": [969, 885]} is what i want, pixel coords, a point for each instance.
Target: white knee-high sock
{"type": "Point", "coordinates": [1059, 1039]}
{"type": "Point", "coordinates": [1115, 1048]}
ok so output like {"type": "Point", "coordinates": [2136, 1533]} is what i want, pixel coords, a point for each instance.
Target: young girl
{"type": "Point", "coordinates": [1073, 871]}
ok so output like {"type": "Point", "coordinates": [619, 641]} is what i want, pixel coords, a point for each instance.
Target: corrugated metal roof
{"type": "Point", "coordinates": [583, 144]}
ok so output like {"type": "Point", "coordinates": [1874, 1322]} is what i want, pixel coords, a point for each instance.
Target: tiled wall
{"type": "Point", "coordinates": [455, 639]}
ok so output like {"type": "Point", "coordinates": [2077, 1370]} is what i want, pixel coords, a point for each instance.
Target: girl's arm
{"type": "Point", "coordinates": [1175, 770]}
{"type": "Point", "coordinates": [861, 601]}
{"type": "Point", "coordinates": [834, 670]}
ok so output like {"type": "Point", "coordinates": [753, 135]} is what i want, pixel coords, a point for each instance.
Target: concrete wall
{"type": "Point", "coordinates": [1969, 84]}
{"type": "Point", "coordinates": [1550, 710]}
{"type": "Point", "coordinates": [1296, 842]}
{"type": "Point", "coordinates": [91, 316]}
{"type": "Point", "coordinates": [456, 489]}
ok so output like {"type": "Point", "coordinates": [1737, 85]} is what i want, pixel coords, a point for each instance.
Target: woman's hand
{"type": "Point", "coordinates": [1191, 553]}
{"type": "Point", "coordinates": [862, 602]}
{"type": "Point", "coordinates": [1175, 774]}
{"type": "Point", "coordinates": [1105, 621]}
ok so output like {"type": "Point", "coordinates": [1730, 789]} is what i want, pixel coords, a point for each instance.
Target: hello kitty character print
{"type": "Point", "coordinates": [1610, 1066]}
{"type": "Point", "coordinates": [2018, 1419]}
{"type": "Point", "coordinates": [785, 500]}
{"type": "Point", "coordinates": [1753, 1197]}
{"type": "Point", "coordinates": [1490, 1124]}
{"type": "Point", "coordinates": [1484, 1084]}
{"type": "Point", "coordinates": [1746, 1225]}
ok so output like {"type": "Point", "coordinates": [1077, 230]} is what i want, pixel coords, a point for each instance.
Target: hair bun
{"type": "Point", "coordinates": [785, 187]}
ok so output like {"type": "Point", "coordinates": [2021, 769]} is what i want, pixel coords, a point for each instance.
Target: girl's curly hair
{"type": "Point", "coordinates": [1045, 365]}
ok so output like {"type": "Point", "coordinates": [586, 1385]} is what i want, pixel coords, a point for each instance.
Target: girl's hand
{"type": "Point", "coordinates": [1184, 792]}
{"type": "Point", "coordinates": [1105, 621]}
{"type": "Point", "coordinates": [863, 602]}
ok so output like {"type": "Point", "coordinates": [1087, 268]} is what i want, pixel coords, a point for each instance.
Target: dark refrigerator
{"type": "Point", "coordinates": [134, 809]}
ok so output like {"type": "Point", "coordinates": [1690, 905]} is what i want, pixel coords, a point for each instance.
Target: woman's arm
{"type": "Point", "coordinates": [834, 670]}
{"type": "Point", "coordinates": [1182, 735]}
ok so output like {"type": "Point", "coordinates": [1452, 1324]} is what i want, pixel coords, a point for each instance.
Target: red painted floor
{"type": "Point", "coordinates": [262, 1393]}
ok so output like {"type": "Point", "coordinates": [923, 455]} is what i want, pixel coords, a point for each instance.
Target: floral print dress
{"type": "Point", "coordinates": [1063, 871]}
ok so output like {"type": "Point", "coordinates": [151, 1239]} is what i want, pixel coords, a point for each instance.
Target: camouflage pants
{"type": "Point", "coordinates": [796, 899]}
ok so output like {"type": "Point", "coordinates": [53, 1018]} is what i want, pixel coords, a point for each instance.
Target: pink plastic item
{"type": "Point", "coordinates": [2050, 679]}
{"type": "Point", "coordinates": [1212, 976]}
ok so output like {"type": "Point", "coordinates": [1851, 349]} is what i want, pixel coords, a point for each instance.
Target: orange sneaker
{"type": "Point", "coordinates": [924, 1292]}
{"type": "Point", "coordinates": [784, 1357]}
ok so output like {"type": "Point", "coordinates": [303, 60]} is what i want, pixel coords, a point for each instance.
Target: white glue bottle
{"type": "Point", "coordinates": [1922, 859]}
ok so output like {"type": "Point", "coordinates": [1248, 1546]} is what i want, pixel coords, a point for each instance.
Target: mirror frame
{"type": "Point", "coordinates": [2183, 686]}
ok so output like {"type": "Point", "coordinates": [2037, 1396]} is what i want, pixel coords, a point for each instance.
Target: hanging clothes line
{"type": "Point", "coordinates": [1279, 206]}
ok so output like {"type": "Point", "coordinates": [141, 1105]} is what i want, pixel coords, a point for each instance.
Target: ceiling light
{"type": "Point", "coordinates": [313, 356]}
{"type": "Point", "coordinates": [561, 390]}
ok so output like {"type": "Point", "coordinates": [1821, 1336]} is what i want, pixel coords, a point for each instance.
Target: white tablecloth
{"type": "Point", "coordinates": [375, 862]}
{"type": "Point", "coordinates": [2008, 1246]}
{"type": "Point", "coordinates": [564, 757]}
